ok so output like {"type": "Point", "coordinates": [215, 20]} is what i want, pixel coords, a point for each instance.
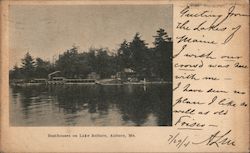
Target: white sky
{"type": "Point", "coordinates": [46, 31]}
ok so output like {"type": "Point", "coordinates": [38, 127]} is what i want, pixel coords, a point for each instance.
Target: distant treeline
{"type": "Point", "coordinates": [146, 62]}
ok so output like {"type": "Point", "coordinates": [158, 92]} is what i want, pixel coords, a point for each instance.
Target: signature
{"type": "Point", "coordinates": [216, 139]}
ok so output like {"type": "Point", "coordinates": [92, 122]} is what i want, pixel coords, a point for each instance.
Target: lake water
{"type": "Point", "coordinates": [91, 105]}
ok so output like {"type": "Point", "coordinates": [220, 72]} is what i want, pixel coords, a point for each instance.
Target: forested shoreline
{"type": "Point", "coordinates": [146, 62]}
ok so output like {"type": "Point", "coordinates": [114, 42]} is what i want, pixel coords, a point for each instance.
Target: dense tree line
{"type": "Point", "coordinates": [154, 62]}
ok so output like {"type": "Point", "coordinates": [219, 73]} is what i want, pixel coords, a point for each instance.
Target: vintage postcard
{"type": "Point", "coordinates": [115, 70]}
{"type": "Point", "coordinates": [124, 76]}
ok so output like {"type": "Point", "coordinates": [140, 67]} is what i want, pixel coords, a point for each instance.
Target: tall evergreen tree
{"type": "Point", "coordinates": [28, 66]}
{"type": "Point", "coordinates": [163, 54]}
{"type": "Point", "coordinates": [124, 56]}
{"type": "Point", "coordinates": [161, 37]}
{"type": "Point", "coordinates": [140, 56]}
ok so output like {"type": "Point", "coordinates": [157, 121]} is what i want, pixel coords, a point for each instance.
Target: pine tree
{"type": "Point", "coordinates": [124, 56]}
{"type": "Point", "coordinates": [28, 66]}
{"type": "Point", "coordinates": [140, 56]}
{"type": "Point", "coordinates": [163, 55]}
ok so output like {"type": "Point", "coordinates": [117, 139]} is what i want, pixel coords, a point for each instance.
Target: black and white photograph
{"type": "Point", "coordinates": [90, 65]}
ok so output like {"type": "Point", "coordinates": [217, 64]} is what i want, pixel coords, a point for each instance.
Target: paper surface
{"type": "Point", "coordinates": [210, 88]}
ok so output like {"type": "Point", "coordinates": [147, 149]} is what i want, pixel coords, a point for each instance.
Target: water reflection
{"type": "Point", "coordinates": [93, 105]}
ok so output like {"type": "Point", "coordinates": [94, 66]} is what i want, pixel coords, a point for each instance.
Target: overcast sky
{"type": "Point", "coordinates": [46, 31]}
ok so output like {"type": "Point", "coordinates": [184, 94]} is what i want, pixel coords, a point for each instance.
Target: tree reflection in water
{"type": "Point", "coordinates": [135, 103]}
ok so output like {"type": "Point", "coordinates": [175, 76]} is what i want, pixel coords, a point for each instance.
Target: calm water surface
{"type": "Point", "coordinates": [91, 105]}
